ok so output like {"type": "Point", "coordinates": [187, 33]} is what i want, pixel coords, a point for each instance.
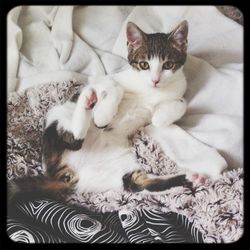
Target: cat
{"type": "Point", "coordinates": [87, 140]}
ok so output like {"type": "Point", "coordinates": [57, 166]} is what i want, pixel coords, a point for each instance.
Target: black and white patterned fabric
{"type": "Point", "coordinates": [46, 221]}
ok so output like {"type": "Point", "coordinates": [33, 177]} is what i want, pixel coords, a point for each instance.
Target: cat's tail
{"type": "Point", "coordinates": [36, 187]}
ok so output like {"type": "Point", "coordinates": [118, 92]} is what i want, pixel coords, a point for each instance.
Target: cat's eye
{"type": "Point", "coordinates": [168, 65]}
{"type": "Point", "coordinates": [144, 65]}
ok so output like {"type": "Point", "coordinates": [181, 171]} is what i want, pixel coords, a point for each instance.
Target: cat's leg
{"type": "Point", "coordinates": [67, 124]}
{"type": "Point", "coordinates": [139, 180]}
{"type": "Point", "coordinates": [167, 113]}
{"type": "Point", "coordinates": [109, 95]}
{"type": "Point", "coordinates": [82, 114]}
{"type": "Point", "coordinates": [66, 128]}
{"type": "Point", "coordinates": [53, 147]}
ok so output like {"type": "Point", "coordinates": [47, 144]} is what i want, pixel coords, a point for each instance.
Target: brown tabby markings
{"type": "Point", "coordinates": [35, 187]}
{"type": "Point", "coordinates": [135, 56]}
{"type": "Point", "coordinates": [67, 175]}
{"type": "Point", "coordinates": [138, 180]}
{"type": "Point", "coordinates": [55, 185]}
{"type": "Point", "coordinates": [54, 145]}
{"type": "Point", "coordinates": [156, 45]}
{"type": "Point", "coordinates": [75, 97]}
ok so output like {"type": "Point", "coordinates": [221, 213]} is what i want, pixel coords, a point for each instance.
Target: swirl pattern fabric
{"type": "Point", "coordinates": [46, 221]}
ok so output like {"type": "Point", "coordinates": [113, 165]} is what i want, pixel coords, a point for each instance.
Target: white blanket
{"type": "Point", "coordinates": [51, 43]}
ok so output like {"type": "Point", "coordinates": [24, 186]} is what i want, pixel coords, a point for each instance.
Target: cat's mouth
{"type": "Point", "coordinates": [156, 85]}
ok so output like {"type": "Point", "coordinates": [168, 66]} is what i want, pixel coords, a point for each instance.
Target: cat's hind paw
{"type": "Point", "coordinates": [196, 179]}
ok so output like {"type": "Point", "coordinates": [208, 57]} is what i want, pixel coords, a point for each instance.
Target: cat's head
{"type": "Point", "coordinates": [157, 56]}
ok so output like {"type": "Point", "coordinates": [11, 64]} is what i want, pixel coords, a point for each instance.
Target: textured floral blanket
{"type": "Point", "coordinates": [214, 208]}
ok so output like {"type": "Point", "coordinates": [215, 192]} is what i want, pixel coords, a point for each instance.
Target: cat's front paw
{"type": "Point", "coordinates": [160, 121]}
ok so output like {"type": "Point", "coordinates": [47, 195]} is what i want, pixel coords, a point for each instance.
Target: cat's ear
{"type": "Point", "coordinates": [178, 36]}
{"type": "Point", "coordinates": [134, 35]}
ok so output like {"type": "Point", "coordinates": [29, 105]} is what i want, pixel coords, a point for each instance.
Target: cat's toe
{"type": "Point", "coordinates": [202, 179]}
{"type": "Point", "coordinates": [196, 179]}
{"type": "Point", "coordinates": [91, 99]}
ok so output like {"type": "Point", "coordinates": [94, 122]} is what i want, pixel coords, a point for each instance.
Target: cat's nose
{"type": "Point", "coordinates": [156, 81]}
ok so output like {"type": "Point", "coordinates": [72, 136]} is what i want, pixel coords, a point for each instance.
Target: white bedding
{"type": "Point", "coordinates": [51, 43]}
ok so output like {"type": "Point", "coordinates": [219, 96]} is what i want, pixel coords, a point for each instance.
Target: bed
{"type": "Point", "coordinates": [54, 51]}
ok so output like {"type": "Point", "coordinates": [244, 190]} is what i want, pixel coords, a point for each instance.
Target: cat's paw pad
{"type": "Point", "coordinates": [91, 99]}
{"type": "Point", "coordinates": [197, 179]}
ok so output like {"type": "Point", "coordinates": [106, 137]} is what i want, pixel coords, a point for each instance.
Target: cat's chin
{"type": "Point", "coordinates": [158, 86]}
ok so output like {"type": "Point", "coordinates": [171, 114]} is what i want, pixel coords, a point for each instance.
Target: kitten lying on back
{"type": "Point", "coordinates": [87, 139]}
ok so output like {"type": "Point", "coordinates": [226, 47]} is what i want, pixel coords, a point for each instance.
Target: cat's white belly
{"type": "Point", "coordinates": [101, 163]}
{"type": "Point", "coordinates": [105, 156]}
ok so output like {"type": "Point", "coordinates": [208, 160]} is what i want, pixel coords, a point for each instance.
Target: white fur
{"type": "Point", "coordinates": [105, 156]}
{"type": "Point", "coordinates": [62, 114]}
{"type": "Point", "coordinates": [156, 73]}
{"type": "Point", "coordinates": [174, 111]}
{"type": "Point", "coordinates": [109, 95]}
{"type": "Point", "coordinates": [81, 115]}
